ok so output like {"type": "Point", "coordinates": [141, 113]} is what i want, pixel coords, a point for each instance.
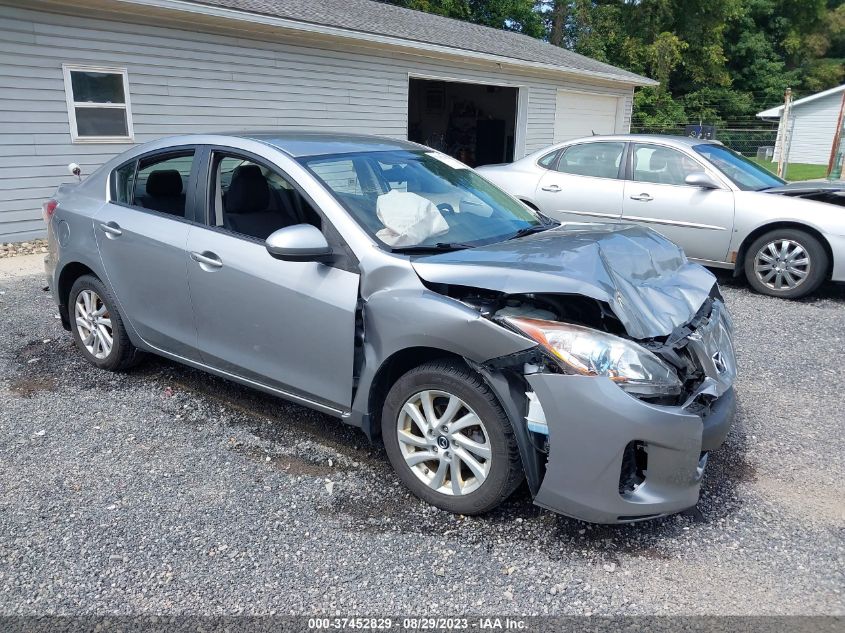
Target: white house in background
{"type": "Point", "coordinates": [81, 81]}
{"type": "Point", "coordinates": [814, 126]}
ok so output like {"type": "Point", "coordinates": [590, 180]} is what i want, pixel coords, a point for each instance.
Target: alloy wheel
{"type": "Point", "coordinates": [444, 442]}
{"type": "Point", "coordinates": [94, 324]}
{"type": "Point", "coordinates": [782, 264]}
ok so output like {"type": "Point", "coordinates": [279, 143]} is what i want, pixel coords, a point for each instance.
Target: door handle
{"type": "Point", "coordinates": [643, 197]}
{"type": "Point", "coordinates": [111, 229]}
{"type": "Point", "coordinates": [551, 188]}
{"type": "Point", "coordinates": [207, 260]}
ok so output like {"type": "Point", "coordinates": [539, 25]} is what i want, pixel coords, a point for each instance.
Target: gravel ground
{"type": "Point", "coordinates": [168, 491]}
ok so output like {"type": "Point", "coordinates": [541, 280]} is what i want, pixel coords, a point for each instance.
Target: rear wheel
{"type": "Point", "coordinates": [786, 263]}
{"type": "Point", "coordinates": [449, 440]}
{"type": "Point", "coordinates": [97, 326]}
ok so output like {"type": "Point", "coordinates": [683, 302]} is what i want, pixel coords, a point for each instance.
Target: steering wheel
{"type": "Point", "coordinates": [445, 207]}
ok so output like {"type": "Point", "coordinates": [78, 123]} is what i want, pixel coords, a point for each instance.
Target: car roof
{"type": "Point", "coordinates": [301, 144]}
{"type": "Point", "coordinates": [685, 141]}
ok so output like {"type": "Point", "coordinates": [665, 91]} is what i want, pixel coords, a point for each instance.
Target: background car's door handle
{"type": "Point", "coordinates": [643, 197]}
{"type": "Point", "coordinates": [207, 260]}
{"type": "Point", "coordinates": [551, 188]}
{"type": "Point", "coordinates": [111, 229]}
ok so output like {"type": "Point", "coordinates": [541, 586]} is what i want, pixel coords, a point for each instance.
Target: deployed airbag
{"type": "Point", "coordinates": [408, 219]}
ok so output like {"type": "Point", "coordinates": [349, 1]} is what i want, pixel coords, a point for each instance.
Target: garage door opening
{"type": "Point", "coordinates": [475, 123]}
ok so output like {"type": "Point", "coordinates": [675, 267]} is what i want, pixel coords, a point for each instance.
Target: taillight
{"type": "Point", "coordinates": [48, 209]}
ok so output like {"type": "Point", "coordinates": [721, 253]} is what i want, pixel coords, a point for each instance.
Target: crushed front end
{"type": "Point", "coordinates": [607, 454]}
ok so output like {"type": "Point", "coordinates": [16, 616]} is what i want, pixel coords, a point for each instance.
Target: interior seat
{"type": "Point", "coordinates": [252, 207]}
{"type": "Point", "coordinates": [164, 192]}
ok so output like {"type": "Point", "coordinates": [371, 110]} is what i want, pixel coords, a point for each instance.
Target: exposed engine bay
{"type": "Point", "coordinates": [675, 349]}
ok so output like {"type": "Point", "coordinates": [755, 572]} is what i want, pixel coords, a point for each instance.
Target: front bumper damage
{"type": "Point", "coordinates": [591, 424]}
{"type": "Point", "coordinates": [616, 458]}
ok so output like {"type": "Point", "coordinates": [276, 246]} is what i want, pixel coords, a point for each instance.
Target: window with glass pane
{"type": "Point", "coordinates": [548, 160]}
{"type": "Point", "coordinates": [599, 160]}
{"type": "Point", "coordinates": [124, 181]}
{"type": "Point", "coordinates": [161, 182]}
{"type": "Point", "coordinates": [663, 165]}
{"type": "Point", "coordinates": [98, 103]}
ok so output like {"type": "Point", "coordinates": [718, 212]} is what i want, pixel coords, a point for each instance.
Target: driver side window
{"type": "Point", "coordinates": [252, 199]}
{"type": "Point", "coordinates": [662, 165]}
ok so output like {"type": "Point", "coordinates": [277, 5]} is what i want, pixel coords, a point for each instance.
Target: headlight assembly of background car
{"type": "Point", "coordinates": [581, 350]}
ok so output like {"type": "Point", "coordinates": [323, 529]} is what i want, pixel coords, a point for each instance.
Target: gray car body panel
{"type": "Point", "coordinates": [311, 309]}
{"type": "Point", "coordinates": [712, 226]}
{"type": "Point", "coordinates": [645, 279]}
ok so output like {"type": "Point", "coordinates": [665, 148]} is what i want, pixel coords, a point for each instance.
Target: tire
{"type": "Point", "coordinates": [448, 382]}
{"type": "Point", "coordinates": [800, 247]}
{"type": "Point", "coordinates": [122, 354]}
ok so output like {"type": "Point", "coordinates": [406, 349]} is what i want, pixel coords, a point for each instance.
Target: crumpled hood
{"type": "Point", "coordinates": [644, 278]}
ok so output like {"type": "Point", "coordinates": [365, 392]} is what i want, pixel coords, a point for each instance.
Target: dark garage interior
{"type": "Point", "coordinates": [475, 123]}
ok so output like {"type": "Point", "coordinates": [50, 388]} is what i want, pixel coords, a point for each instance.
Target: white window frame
{"type": "Point", "coordinates": [67, 69]}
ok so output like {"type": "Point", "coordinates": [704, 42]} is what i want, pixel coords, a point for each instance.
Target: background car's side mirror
{"type": "Point", "coordinates": [299, 243]}
{"type": "Point", "coordinates": [700, 179]}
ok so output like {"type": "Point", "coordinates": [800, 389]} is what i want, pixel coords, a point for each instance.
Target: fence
{"type": "Point", "coordinates": [757, 141]}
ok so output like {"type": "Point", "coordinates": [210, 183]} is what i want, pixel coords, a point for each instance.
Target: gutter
{"type": "Point", "coordinates": [236, 15]}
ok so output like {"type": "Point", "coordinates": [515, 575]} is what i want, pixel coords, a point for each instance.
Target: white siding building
{"type": "Point", "coordinates": [82, 81]}
{"type": "Point", "coordinates": [814, 122]}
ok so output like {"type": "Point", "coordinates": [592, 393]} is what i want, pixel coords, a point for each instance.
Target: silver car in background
{"type": "Point", "coordinates": [723, 209]}
{"type": "Point", "coordinates": [388, 285]}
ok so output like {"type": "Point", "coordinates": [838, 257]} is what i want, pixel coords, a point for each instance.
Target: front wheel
{"type": "Point", "coordinates": [449, 440]}
{"type": "Point", "coordinates": [786, 263]}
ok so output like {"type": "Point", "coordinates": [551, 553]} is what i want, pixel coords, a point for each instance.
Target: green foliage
{"type": "Point", "coordinates": [716, 60]}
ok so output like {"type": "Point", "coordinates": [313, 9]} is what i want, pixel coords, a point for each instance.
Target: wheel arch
{"type": "Point", "coordinates": [739, 268]}
{"type": "Point", "coordinates": [67, 277]}
{"type": "Point", "coordinates": [390, 370]}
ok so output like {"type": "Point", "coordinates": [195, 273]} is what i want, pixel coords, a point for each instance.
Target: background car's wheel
{"type": "Point", "coordinates": [97, 326]}
{"type": "Point", "coordinates": [449, 440]}
{"type": "Point", "coordinates": [786, 263]}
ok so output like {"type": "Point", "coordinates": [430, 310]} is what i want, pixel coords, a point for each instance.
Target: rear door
{"type": "Point", "coordinates": [656, 195]}
{"type": "Point", "coordinates": [141, 234]}
{"type": "Point", "coordinates": [584, 184]}
{"type": "Point", "coordinates": [287, 325]}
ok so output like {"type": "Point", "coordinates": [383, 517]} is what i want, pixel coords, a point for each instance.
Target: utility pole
{"type": "Point", "coordinates": [785, 133]}
{"type": "Point", "coordinates": [835, 167]}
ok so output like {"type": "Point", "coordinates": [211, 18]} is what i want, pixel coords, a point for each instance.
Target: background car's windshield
{"type": "Point", "coordinates": [745, 174]}
{"type": "Point", "coordinates": [412, 199]}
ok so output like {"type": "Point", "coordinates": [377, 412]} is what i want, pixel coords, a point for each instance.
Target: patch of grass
{"type": "Point", "coordinates": [795, 171]}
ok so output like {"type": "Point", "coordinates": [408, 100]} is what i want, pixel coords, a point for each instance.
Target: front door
{"type": "Point", "coordinates": [656, 195]}
{"type": "Point", "coordinates": [584, 184]}
{"type": "Point", "coordinates": [141, 234]}
{"type": "Point", "coordinates": [287, 325]}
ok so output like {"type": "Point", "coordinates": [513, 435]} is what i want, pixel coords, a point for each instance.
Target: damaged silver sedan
{"type": "Point", "coordinates": [393, 287]}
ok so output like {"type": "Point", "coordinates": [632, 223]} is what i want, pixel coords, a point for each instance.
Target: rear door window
{"type": "Point", "coordinates": [598, 160]}
{"type": "Point", "coordinates": [161, 183]}
{"type": "Point", "coordinates": [548, 160]}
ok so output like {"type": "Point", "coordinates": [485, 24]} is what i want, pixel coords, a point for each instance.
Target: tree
{"type": "Point", "coordinates": [716, 60]}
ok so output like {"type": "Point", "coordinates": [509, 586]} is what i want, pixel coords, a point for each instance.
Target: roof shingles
{"type": "Point", "coordinates": [368, 16]}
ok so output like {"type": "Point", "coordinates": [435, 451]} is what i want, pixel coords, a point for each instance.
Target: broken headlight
{"type": "Point", "coordinates": [581, 350]}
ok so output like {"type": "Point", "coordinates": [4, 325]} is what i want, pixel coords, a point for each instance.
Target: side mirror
{"type": "Point", "coordinates": [700, 179]}
{"type": "Point", "coordinates": [299, 243]}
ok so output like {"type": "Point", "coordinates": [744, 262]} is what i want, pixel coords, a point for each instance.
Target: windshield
{"type": "Point", "coordinates": [745, 173]}
{"type": "Point", "coordinates": [416, 200]}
